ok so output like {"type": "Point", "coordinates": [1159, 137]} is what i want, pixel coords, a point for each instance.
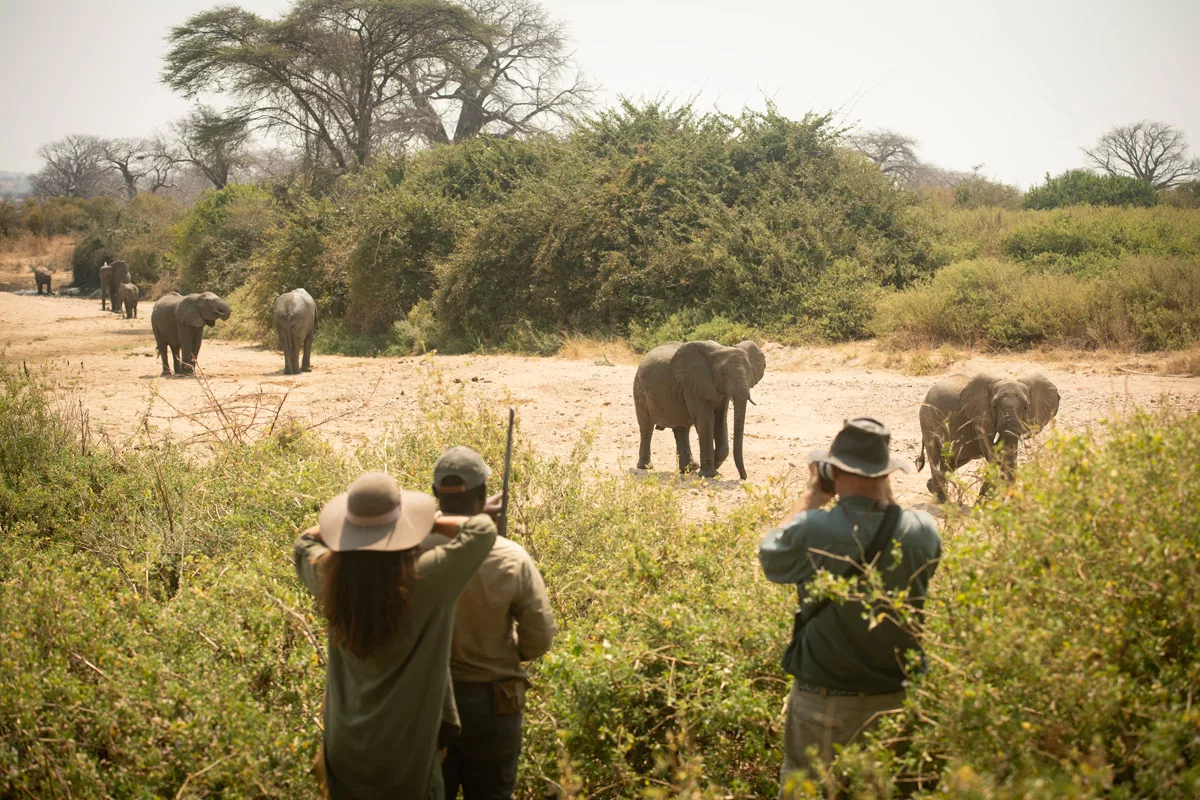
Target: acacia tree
{"type": "Point", "coordinates": [74, 167]}
{"type": "Point", "coordinates": [1152, 152]}
{"type": "Point", "coordinates": [214, 144]}
{"type": "Point", "coordinates": [894, 153]}
{"type": "Point", "coordinates": [354, 76]}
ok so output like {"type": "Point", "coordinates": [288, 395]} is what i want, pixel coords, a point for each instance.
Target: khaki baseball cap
{"type": "Point", "coordinates": [462, 463]}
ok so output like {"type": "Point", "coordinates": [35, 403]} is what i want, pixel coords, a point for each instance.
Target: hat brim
{"type": "Point", "coordinates": [417, 513]}
{"type": "Point", "coordinates": [893, 465]}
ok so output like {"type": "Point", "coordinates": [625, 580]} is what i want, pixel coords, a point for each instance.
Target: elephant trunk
{"type": "Point", "coordinates": [1010, 437]}
{"type": "Point", "coordinates": [739, 428]}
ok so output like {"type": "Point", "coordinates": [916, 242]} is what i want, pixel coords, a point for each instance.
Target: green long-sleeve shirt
{"type": "Point", "coordinates": [838, 650]}
{"type": "Point", "coordinates": [382, 712]}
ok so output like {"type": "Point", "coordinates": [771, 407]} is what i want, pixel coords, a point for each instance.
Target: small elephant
{"type": "Point", "coordinates": [679, 385]}
{"type": "Point", "coordinates": [974, 415]}
{"type": "Point", "coordinates": [178, 323]}
{"type": "Point", "coordinates": [295, 322]}
{"type": "Point", "coordinates": [129, 296]}
{"type": "Point", "coordinates": [41, 276]}
{"type": "Point", "coordinates": [111, 277]}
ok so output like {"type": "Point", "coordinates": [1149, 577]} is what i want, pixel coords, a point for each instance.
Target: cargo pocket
{"type": "Point", "coordinates": [508, 697]}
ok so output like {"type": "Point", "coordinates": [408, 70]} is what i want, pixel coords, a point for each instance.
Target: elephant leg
{"type": "Point", "coordinates": [704, 432]}
{"type": "Point", "coordinates": [306, 365]}
{"type": "Point", "coordinates": [162, 352]}
{"type": "Point", "coordinates": [175, 359]}
{"type": "Point", "coordinates": [646, 428]}
{"type": "Point", "coordinates": [721, 434]}
{"type": "Point", "coordinates": [683, 448]}
{"type": "Point", "coordinates": [937, 466]}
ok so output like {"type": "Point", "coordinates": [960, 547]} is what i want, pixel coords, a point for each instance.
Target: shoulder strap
{"type": "Point", "coordinates": [887, 527]}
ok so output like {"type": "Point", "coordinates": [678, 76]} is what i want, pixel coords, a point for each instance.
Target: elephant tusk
{"type": "Point", "coordinates": [750, 401]}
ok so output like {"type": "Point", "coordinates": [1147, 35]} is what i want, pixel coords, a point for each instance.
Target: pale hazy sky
{"type": "Point", "coordinates": [1017, 85]}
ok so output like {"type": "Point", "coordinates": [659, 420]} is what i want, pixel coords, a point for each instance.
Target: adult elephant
{"type": "Point", "coordinates": [112, 276]}
{"type": "Point", "coordinates": [679, 385]}
{"type": "Point", "coordinates": [129, 297]}
{"type": "Point", "coordinates": [967, 417]}
{"type": "Point", "coordinates": [41, 277]}
{"type": "Point", "coordinates": [295, 322]}
{"type": "Point", "coordinates": [178, 322]}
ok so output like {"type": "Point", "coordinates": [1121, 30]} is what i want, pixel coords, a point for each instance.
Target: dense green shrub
{"type": "Point", "coordinates": [1144, 304]}
{"type": "Point", "coordinates": [1185, 195]}
{"type": "Point", "coordinates": [94, 251]}
{"type": "Point", "coordinates": [140, 235]}
{"type": "Point", "coordinates": [215, 243]}
{"type": "Point", "coordinates": [1093, 240]}
{"type": "Point", "coordinates": [1083, 187]}
{"type": "Point", "coordinates": [56, 216]}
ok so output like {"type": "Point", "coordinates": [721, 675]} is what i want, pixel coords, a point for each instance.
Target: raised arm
{"type": "Point", "coordinates": [443, 572]}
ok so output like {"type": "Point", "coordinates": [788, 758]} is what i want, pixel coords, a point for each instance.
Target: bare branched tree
{"type": "Point", "coordinates": [143, 164]}
{"type": "Point", "coordinates": [894, 153]}
{"type": "Point", "coordinates": [74, 167]}
{"type": "Point", "coordinates": [1153, 152]}
{"type": "Point", "coordinates": [512, 75]}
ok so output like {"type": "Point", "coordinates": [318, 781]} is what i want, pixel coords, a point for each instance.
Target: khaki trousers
{"type": "Point", "coordinates": [820, 721]}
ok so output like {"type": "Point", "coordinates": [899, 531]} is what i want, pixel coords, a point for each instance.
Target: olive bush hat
{"type": "Point", "coordinates": [462, 463]}
{"type": "Point", "coordinates": [376, 514]}
{"type": "Point", "coordinates": [861, 448]}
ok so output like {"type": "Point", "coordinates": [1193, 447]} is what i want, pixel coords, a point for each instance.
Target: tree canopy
{"type": "Point", "coordinates": [354, 77]}
{"type": "Point", "coordinates": [1152, 152]}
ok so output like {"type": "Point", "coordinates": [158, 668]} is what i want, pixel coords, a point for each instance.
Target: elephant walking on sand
{"type": "Point", "coordinates": [680, 384]}
{"type": "Point", "coordinates": [981, 416]}
{"type": "Point", "coordinates": [129, 297]}
{"type": "Point", "coordinates": [112, 276]}
{"type": "Point", "coordinates": [178, 323]}
{"type": "Point", "coordinates": [41, 277]}
{"type": "Point", "coordinates": [295, 322]}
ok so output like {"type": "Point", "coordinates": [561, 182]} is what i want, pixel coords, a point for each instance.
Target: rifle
{"type": "Point", "coordinates": [502, 518]}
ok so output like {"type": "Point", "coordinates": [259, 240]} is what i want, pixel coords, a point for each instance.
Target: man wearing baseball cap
{"type": "Point", "coordinates": [389, 609]}
{"type": "Point", "coordinates": [848, 667]}
{"type": "Point", "coordinates": [503, 619]}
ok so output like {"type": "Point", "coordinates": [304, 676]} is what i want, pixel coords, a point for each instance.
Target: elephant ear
{"type": "Point", "coordinates": [758, 361]}
{"type": "Point", "coordinates": [975, 407]}
{"type": "Point", "coordinates": [692, 368]}
{"type": "Point", "coordinates": [188, 312]}
{"type": "Point", "coordinates": [1043, 401]}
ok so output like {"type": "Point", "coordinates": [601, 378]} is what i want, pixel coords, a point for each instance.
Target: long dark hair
{"type": "Point", "coordinates": [365, 596]}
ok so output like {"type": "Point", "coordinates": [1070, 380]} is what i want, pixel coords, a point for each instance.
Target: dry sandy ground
{"type": "Point", "coordinates": [110, 364]}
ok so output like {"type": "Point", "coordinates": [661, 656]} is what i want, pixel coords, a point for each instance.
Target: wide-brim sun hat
{"type": "Point", "coordinates": [376, 514]}
{"type": "Point", "coordinates": [861, 448]}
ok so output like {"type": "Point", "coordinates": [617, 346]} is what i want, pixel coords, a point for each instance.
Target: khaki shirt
{"type": "Point", "coordinates": [503, 616]}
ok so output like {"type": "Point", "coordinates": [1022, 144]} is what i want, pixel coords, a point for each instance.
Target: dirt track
{"type": "Point", "coordinates": [110, 363]}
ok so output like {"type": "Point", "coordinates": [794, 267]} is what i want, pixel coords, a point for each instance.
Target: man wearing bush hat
{"type": "Point", "coordinates": [850, 663]}
{"type": "Point", "coordinates": [503, 619]}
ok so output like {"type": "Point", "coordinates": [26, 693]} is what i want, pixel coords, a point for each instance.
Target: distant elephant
{"type": "Point", "coordinates": [178, 323]}
{"type": "Point", "coordinates": [976, 414]}
{"type": "Point", "coordinates": [679, 385]}
{"type": "Point", "coordinates": [129, 296]}
{"type": "Point", "coordinates": [112, 276]}
{"type": "Point", "coordinates": [41, 276]}
{"type": "Point", "coordinates": [105, 279]}
{"type": "Point", "coordinates": [295, 322]}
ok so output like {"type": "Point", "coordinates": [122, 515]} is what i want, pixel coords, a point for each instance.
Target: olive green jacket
{"type": "Point", "coordinates": [382, 713]}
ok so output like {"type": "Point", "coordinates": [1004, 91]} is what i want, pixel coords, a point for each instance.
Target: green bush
{"type": "Point", "coordinates": [1065, 643]}
{"type": "Point", "coordinates": [1144, 304]}
{"type": "Point", "coordinates": [978, 192]}
{"type": "Point", "coordinates": [1185, 195]}
{"type": "Point", "coordinates": [215, 242]}
{"type": "Point", "coordinates": [1094, 240]}
{"type": "Point", "coordinates": [93, 252]}
{"type": "Point", "coordinates": [1082, 187]}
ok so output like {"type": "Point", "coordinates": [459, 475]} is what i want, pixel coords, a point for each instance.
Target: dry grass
{"type": "Point", "coordinates": [603, 352]}
{"type": "Point", "coordinates": [21, 255]}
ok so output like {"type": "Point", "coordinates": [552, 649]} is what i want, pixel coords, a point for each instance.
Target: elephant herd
{"type": "Point", "coordinates": [178, 321]}
{"type": "Point", "coordinates": [680, 385]}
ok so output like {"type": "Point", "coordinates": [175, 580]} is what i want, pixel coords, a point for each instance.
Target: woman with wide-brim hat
{"type": "Point", "coordinates": [390, 614]}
